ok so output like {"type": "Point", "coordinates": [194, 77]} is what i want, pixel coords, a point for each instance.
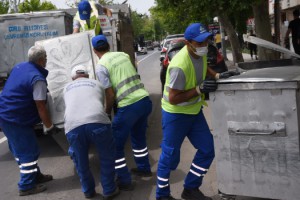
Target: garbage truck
{"type": "Point", "coordinates": [19, 31]}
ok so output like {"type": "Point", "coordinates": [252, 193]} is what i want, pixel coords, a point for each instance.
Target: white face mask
{"type": "Point", "coordinates": [200, 51]}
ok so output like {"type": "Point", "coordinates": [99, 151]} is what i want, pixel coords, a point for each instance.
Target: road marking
{"type": "Point", "coordinates": [3, 140]}
{"type": "Point", "coordinates": [147, 57]}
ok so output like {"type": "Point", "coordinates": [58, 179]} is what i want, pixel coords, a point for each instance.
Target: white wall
{"type": "Point", "coordinates": [285, 4]}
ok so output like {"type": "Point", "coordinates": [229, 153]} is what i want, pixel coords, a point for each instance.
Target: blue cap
{"type": "Point", "coordinates": [196, 32]}
{"type": "Point", "coordinates": [84, 9]}
{"type": "Point", "coordinates": [98, 41]}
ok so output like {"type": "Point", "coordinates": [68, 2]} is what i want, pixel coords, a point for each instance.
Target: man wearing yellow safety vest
{"type": "Point", "coordinates": [182, 114]}
{"type": "Point", "coordinates": [86, 17]}
{"type": "Point", "coordinates": [122, 85]}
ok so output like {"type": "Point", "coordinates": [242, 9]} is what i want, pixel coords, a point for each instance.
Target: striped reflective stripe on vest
{"type": "Point", "coordinates": [129, 91]}
{"type": "Point", "coordinates": [184, 103]}
{"type": "Point", "coordinates": [127, 80]}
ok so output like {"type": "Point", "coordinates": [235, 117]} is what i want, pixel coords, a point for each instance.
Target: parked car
{"type": "Point", "coordinates": [141, 50]}
{"type": "Point", "coordinates": [156, 44]}
{"type": "Point", "coordinates": [175, 45]}
{"type": "Point", "coordinates": [166, 42]}
{"type": "Point", "coordinates": [175, 36]}
{"type": "Point", "coordinates": [149, 45]}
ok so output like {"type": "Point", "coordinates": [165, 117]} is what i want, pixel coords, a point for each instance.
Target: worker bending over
{"type": "Point", "coordinates": [87, 123]}
{"type": "Point", "coordinates": [123, 85]}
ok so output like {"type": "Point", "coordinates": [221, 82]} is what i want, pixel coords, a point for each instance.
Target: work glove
{"type": "Point", "coordinates": [227, 74]}
{"type": "Point", "coordinates": [52, 130]}
{"type": "Point", "coordinates": [207, 86]}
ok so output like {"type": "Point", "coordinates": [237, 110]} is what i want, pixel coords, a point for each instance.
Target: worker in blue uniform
{"type": "Point", "coordinates": [182, 115]}
{"type": "Point", "coordinates": [86, 126]}
{"type": "Point", "coordinates": [123, 85]}
{"type": "Point", "coordinates": [22, 106]}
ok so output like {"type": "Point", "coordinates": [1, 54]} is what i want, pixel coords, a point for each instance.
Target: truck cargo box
{"type": "Point", "coordinates": [18, 32]}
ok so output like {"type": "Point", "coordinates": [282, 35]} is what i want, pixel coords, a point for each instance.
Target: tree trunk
{"type": "Point", "coordinates": [233, 38]}
{"type": "Point", "coordinates": [263, 29]}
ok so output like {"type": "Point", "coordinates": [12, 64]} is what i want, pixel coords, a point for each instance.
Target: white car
{"type": "Point", "coordinates": [142, 50]}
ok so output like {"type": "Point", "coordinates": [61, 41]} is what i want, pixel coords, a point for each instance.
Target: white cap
{"type": "Point", "coordinates": [79, 69]}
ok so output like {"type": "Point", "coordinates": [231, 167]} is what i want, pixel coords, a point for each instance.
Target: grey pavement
{"type": "Point", "coordinates": [230, 63]}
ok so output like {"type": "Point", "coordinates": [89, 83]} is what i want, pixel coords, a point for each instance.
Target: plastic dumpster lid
{"type": "Point", "coordinates": [276, 74]}
{"type": "Point", "coordinates": [269, 45]}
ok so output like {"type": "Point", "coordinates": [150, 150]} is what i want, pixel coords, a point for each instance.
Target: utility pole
{"type": "Point", "coordinates": [223, 41]}
{"type": "Point", "coordinates": [277, 21]}
{"type": "Point", "coordinates": [222, 31]}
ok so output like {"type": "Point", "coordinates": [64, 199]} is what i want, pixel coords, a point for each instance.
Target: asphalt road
{"type": "Point", "coordinates": [66, 186]}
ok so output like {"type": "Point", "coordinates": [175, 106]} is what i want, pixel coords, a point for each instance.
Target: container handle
{"type": "Point", "coordinates": [275, 129]}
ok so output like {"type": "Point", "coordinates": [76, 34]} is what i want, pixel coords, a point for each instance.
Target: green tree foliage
{"type": "Point", "coordinates": [137, 23]}
{"type": "Point", "coordinates": [106, 2]}
{"type": "Point", "coordinates": [4, 5]}
{"type": "Point", "coordinates": [146, 26]}
{"type": "Point", "coordinates": [35, 5]}
{"type": "Point", "coordinates": [176, 15]}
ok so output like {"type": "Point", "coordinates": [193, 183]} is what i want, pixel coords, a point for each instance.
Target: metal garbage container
{"type": "Point", "coordinates": [255, 121]}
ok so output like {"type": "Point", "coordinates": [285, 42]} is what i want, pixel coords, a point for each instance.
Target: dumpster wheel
{"type": "Point", "coordinates": [226, 196]}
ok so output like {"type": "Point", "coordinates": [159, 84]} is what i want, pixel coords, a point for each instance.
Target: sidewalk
{"type": "Point", "coordinates": [229, 62]}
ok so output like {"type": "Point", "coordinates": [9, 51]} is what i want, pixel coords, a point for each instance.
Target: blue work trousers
{"type": "Point", "coordinates": [132, 120]}
{"type": "Point", "coordinates": [175, 128]}
{"type": "Point", "coordinates": [23, 145]}
{"type": "Point", "coordinates": [80, 140]}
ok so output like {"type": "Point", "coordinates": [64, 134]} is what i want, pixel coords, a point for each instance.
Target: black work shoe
{"type": "Point", "coordinates": [36, 189]}
{"type": "Point", "coordinates": [126, 187]}
{"type": "Point", "coordinates": [141, 173]}
{"type": "Point", "coordinates": [89, 195]}
{"type": "Point", "coordinates": [194, 194]}
{"type": "Point", "coordinates": [43, 178]}
{"type": "Point", "coordinates": [166, 198]}
{"type": "Point", "coordinates": [112, 195]}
